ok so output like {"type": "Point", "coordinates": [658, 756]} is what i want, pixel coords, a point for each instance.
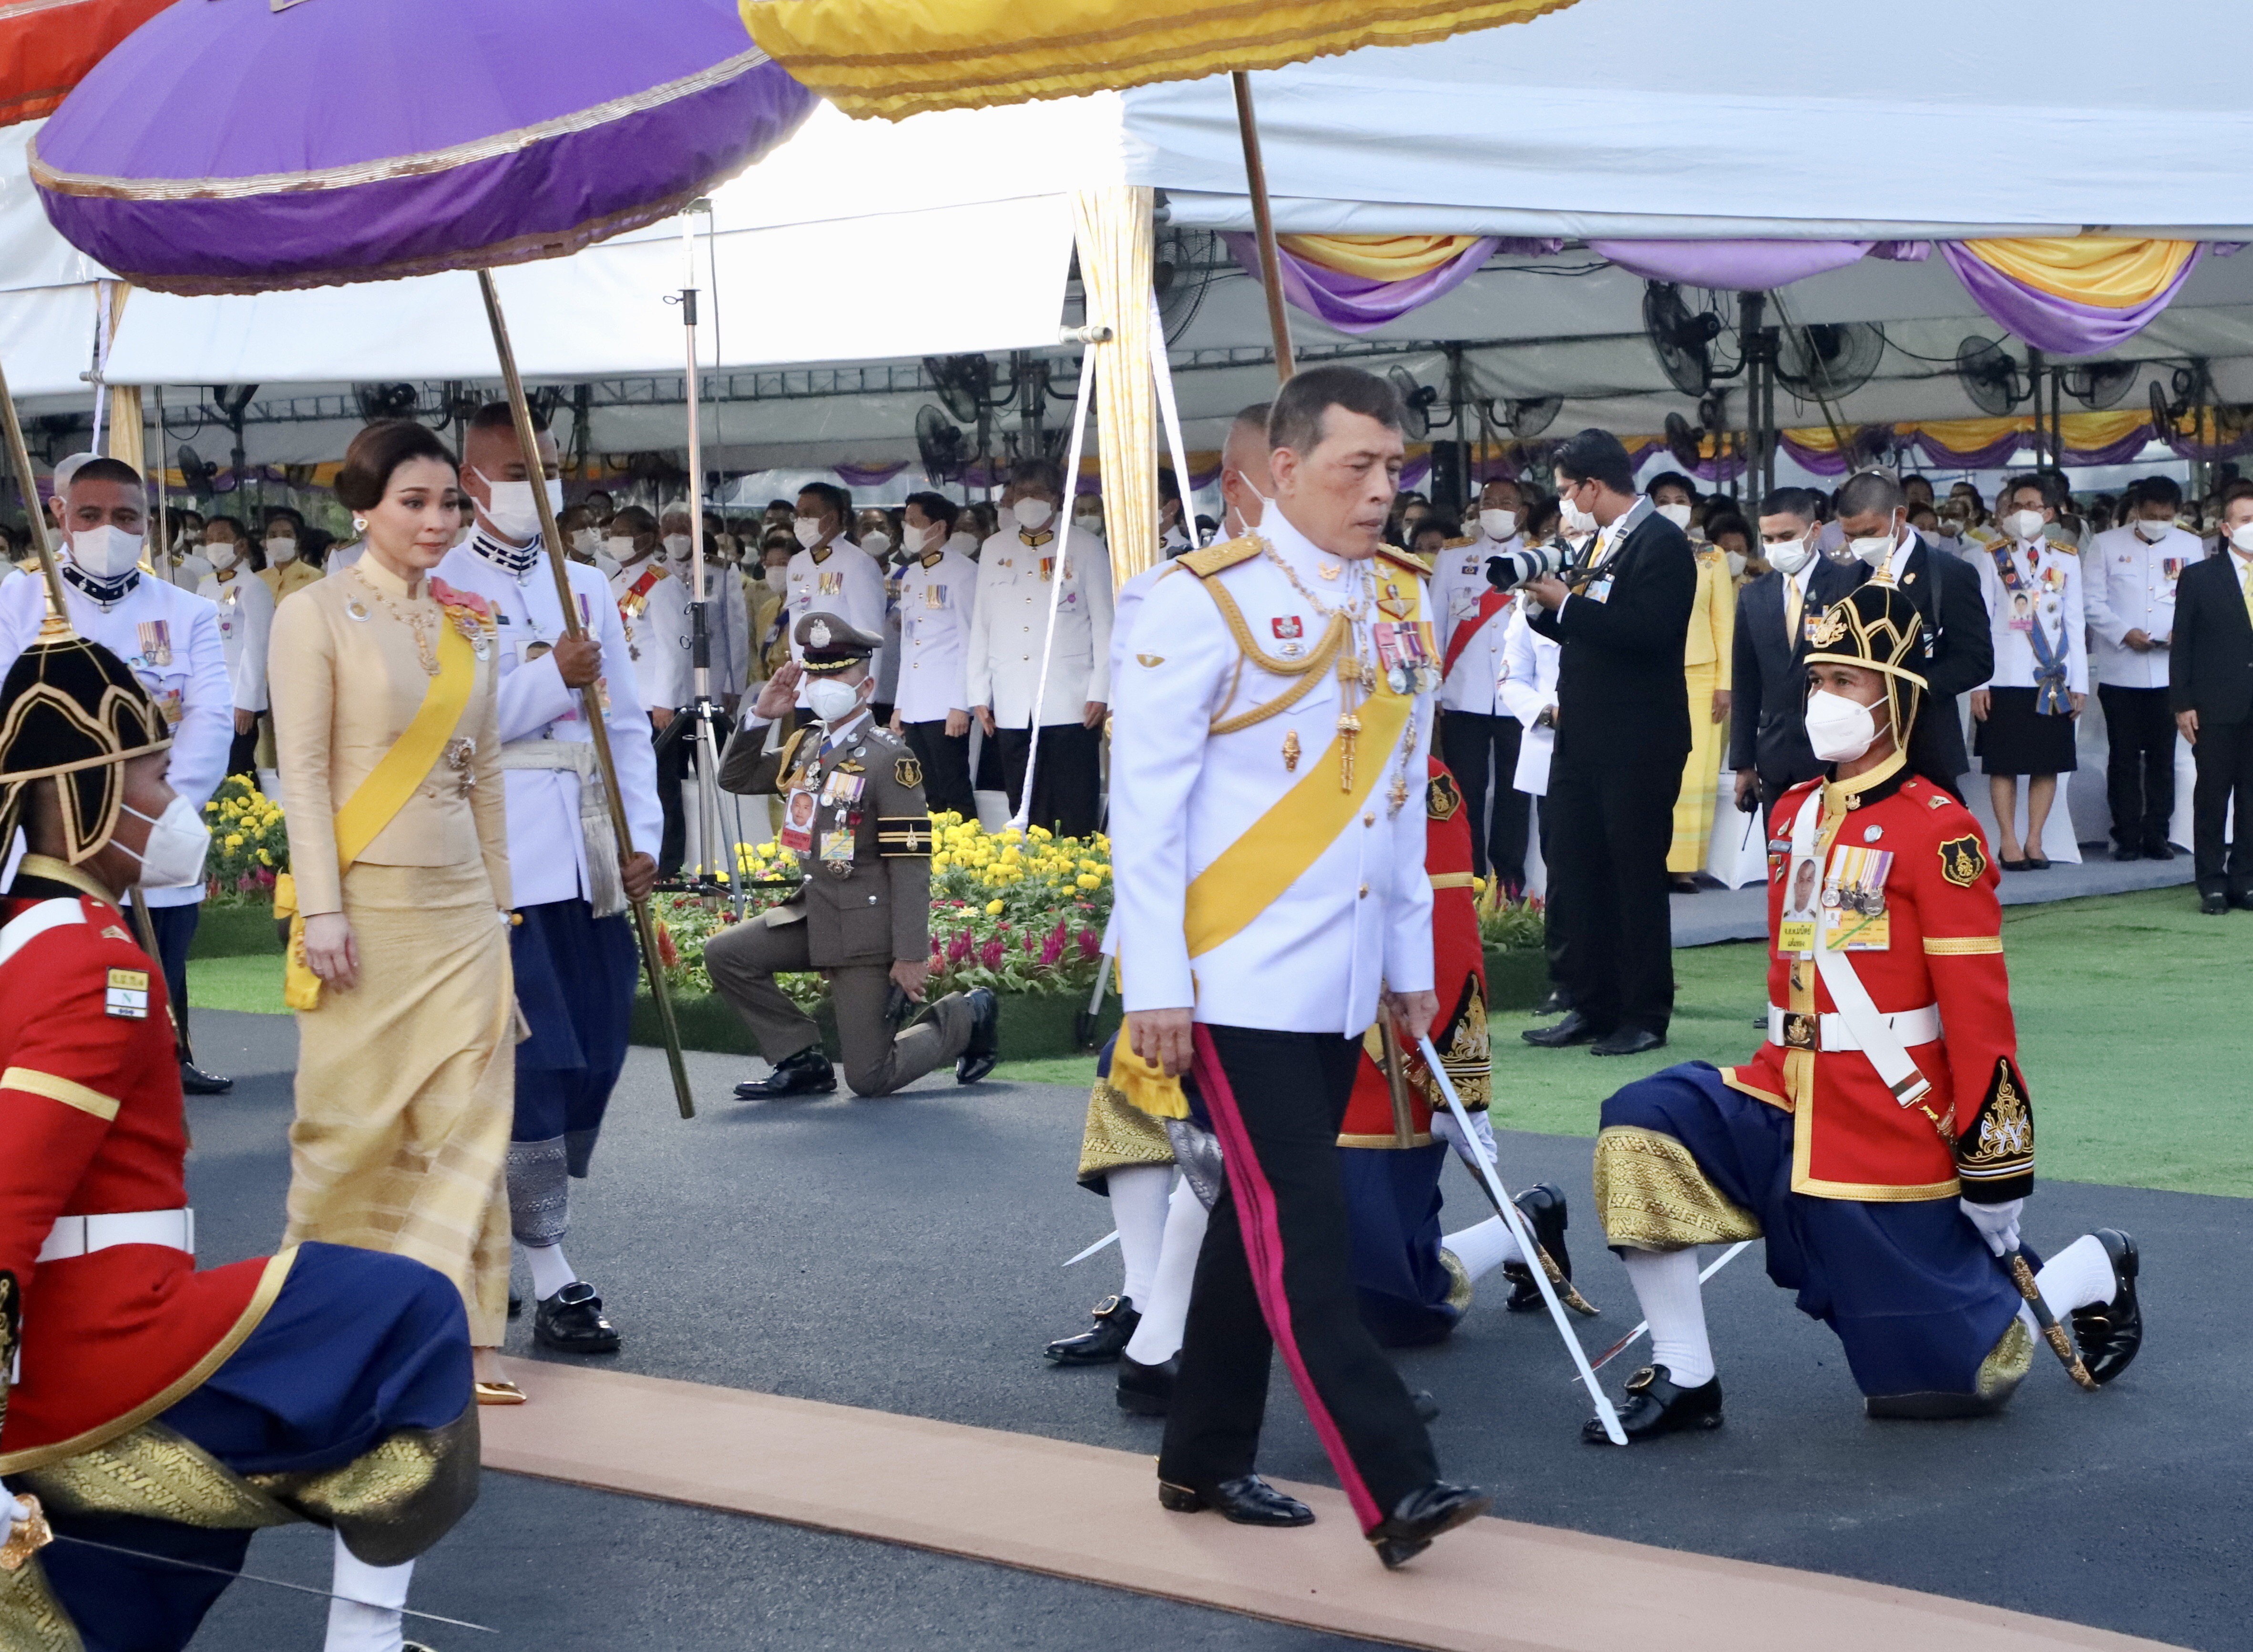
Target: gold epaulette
{"type": "Point", "coordinates": [1460, 541]}
{"type": "Point", "coordinates": [789, 749]}
{"type": "Point", "coordinates": [1408, 560]}
{"type": "Point", "coordinates": [1207, 562]}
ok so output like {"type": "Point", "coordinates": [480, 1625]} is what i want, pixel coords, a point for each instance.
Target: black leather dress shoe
{"type": "Point", "coordinates": [196, 1081]}
{"type": "Point", "coordinates": [1147, 1391]}
{"type": "Point", "coordinates": [571, 1322]}
{"type": "Point", "coordinates": [1427, 1408]}
{"type": "Point", "coordinates": [1557, 1003]}
{"type": "Point", "coordinates": [1656, 1406]}
{"type": "Point", "coordinates": [1422, 1515]}
{"type": "Point", "coordinates": [515, 1306]}
{"type": "Point", "coordinates": [2242, 900]}
{"type": "Point", "coordinates": [1575, 1028]}
{"type": "Point", "coordinates": [985, 1047]}
{"type": "Point", "coordinates": [807, 1073]}
{"type": "Point", "coordinates": [2110, 1335]}
{"type": "Point", "coordinates": [2216, 905]}
{"type": "Point", "coordinates": [1627, 1041]}
{"type": "Point", "coordinates": [1115, 1320]}
{"type": "Point", "coordinates": [2127, 852]}
{"type": "Point", "coordinates": [1543, 1206]}
{"type": "Point", "coordinates": [1248, 1502]}
{"type": "Point", "coordinates": [2161, 850]}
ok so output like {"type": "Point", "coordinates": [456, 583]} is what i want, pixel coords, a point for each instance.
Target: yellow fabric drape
{"type": "Point", "coordinates": [1116, 232]}
{"type": "Point", "coordinates": [892, 58]}
{"type": "Point", "coordinates": [2110, 272]}
{"type": "Point", "coordinates": [2081, 430]}
{"type": "Point", "coordinates": [1379, 257]}
{"type": "Point", "coordinates": [123, 434]}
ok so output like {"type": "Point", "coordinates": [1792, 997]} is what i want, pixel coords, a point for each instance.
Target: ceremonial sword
{"type": "Point", "coordinates": [2053, 1333]}
{"type": "Point", "coordinates": [1515, 1220]}
{"type": "Point", "coordinates": [1628, 1342]}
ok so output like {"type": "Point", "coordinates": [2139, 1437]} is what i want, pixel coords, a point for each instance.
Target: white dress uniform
{"type": "Point", "coordinates": [188, 569]}
{"type": "Point", "coordinates": [838, 578]}
{"type": "Point", "coordinates": [725, 625]}
{"type": "Point", "coordinates": [653, 607]}
{"type": "Point", "coordinates": [2049, 577]}
{"type": "Point", "coordinates": [546, 855]}
{"type": "Point", "coordinates": [1459, 584]}
{"type": "Point", "coordinates": [1360, 913]}
{"type": "Point", "coordinates": [246, 621]}
{"type": "Point", "coordinates": [170, 638]}
{"type": "Point", "coordinates": [936, 593]}
{"type": "Point", "coordinates": [1009, 628]}
{"type": "Point", "coordinates": [1528, 688]}
{"type": "Point", "coordinates": [2131, 586]}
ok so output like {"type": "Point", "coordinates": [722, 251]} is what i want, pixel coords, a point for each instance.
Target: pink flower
{"type": "Point", "coordinates": [446, 597]}
{"type": "Point", "coordinates": [990, 954]}
{"type": "Point", "coordinates": [1091, 947]}
{"type": "Point", "coordinates": [959, 948]}
{"type": "Point", "coordinates": [1052, 949]}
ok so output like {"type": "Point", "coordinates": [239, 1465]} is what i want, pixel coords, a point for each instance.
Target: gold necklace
{"type": "Point", "coordinates": [1352, 672]}
{"type": "Point", "coordinates": [422, 622]}
{"type": "Point", "coordinates": [1353, 611]}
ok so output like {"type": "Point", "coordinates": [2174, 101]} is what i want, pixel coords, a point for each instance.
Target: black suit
{"type": "Point", "coordinates": [2210, 672]}
{"type": "Point", "coordinates": [1768, 702]}
{"type": "Point", "coordinates": [1622, 737]}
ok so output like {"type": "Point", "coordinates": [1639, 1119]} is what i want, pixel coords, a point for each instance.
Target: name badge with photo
{"type": "Point", "coordinates": [797, 831]}
{"type": "Point", "coordinates": [837, 849]}
{"type": "Point", "coordinates": [1600, 591]}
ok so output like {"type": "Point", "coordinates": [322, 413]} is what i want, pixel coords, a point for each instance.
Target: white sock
{"type": "Point", "coordinates": [1158, 1338]}
{"type": "Point", "coordinates": [1666, 1283]}
{"type": "Point", "coordinates": [550, 1272]}
{"type": "Point", "coordinates": [367, 1619]}
{"type": "Point", "coordinates": [1138, 1207]}
{"type": "Point", "coordinates": [1484, 1248]}
{"type": "Point", "coordinates": [2076, 1277]}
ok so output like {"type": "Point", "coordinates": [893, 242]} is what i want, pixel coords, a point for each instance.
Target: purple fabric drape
{"type": "Point", "coordinates": [2057, 324]}
{"type": "Point", "coordinates": [1355, 304]}
{"type": "Point", "coordinates": [1731, 266]}
{"type": "Point", "coordinates": [867, 476]}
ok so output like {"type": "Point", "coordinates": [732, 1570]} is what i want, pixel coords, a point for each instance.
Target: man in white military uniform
{"type": "Point", "coordinates": [170, 638]}
{"type": "Point", "coordinates": [571, 946]}
{"type": "Point", "coordinates": [1009, 639]}
{"type": "Point", "coordinates": [930, 707]}
{"type": "Point", "coordinates": [653, 609]}
{"type": "Point", "coordinates": [2130, 574]}
{"type": "Point", "coordinates": [1529, 694]}
{"type": "Point", "coordinates": [724, 620]}
{"type": "Point", "coordinates": [1478, 737]}
{"type": "Point", "coordinates": [830, 572]}
{"type": "Point", "coordinates": [1272, 731]}
{"type": "Point", "coordinates": [246, 621]}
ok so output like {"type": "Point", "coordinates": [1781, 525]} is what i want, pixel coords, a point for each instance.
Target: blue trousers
{"type": "Point", "coordinates": [1911, 1290]}
{"type": "Point", "coordinates": [574, 979]}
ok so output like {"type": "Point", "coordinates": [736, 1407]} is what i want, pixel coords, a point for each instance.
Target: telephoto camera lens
{"type": "Point", "coordinates": [1507, 570]}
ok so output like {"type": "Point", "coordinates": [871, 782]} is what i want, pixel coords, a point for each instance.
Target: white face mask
{"type": "Point", "coordinates": [2241, 537]}
{"type": "Point", "coordinates": [778, 579]}
{"type": "Point", "coordinates": [1033, 515]}
{"type": "Point", "coordinates": [831, 700]}
{"type": "Point", "coordinates": [2023, 524]}
{"type": "Point", "coordinates": [105, 552]}
{"type": "Point", "coordinates": [677, 546]}
{"type": "Point", "coordinates": [915, 540]}
{"type": "Point", "coordinates": [1872, 550]}
{"type": "Point", "coordinates": [512, 511]}
{"type": "Point", "coordinates": [1788, 556]}
{"type": "Point", "coordinates": [587, 540]}
{"type": "Point", "coordinates": [1089, 522]}
{"type": "Point", "coordinates": [808, 529]}
{"type": "Point", "coordinates": [1574, 520]}
{"type": "Point", "coordinates": [178, 841]}
{"type": "Point", "coordinates": [221, 557]}
{"type": "Point", "coordinates": [2152, 532]}
{"type": "Point", "coordinates": [1736, 563]}
{"type": "Point", "coordinates": [619, 546]}
{"type": "Point", "coordinates": [1497, 525]}
{"type": "Point", "coordinates": [877, 545]}
{"type": "Point", "coordinates": [1677, 514]}
{"type": "Point", "coordinates": [1840, 729]}
{"type": "Point", "coordinates": [282, 552]}
{"type": "Point", "coordinates": [962, 541]}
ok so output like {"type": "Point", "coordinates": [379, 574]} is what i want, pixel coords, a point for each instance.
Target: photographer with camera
{"type": "Point", "coordinates": [1622, 618]}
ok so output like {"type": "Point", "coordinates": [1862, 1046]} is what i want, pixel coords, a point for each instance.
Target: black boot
{"type": "Point", "coordinates": [1146, 1390]}
{"type": "Point", "coordinates": [984, 1049]}
{"type": "Point", "coordinates": [806, 1073]}
{"type": "Point", "coordinates": [571, 1322]}
{"type": "Point", "coordinates": [1655, 1406]}
{"type": "Point", "coordinates": [1115, 1320]}
{"type": "Point", "coordinates": [1543, 1206]}
{"type": "Point", "coordinates": [2111, 1333]}
{"type": "Point", "coordinates": [1422, 1515]}
{"type": "Point", "coordinates": [1247, 1502]}
{"type": "Point", "coordinates": [1575, 1028]}
{"type": "Point", "coordinates": [196, 1081]}
{"type": "Point", "coordinates": [1557, 1003]}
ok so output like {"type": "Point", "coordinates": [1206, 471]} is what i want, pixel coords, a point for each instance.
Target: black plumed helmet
{"type": "Point", "coordinates": [71, 712]}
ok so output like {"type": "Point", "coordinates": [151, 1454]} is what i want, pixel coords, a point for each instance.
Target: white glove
{"type": "Point", "coordinates": [1443, 1127]}
{"type": "Point", "coordinates": [11, 1511]}
{"type": "Point", "coordinates": [1998, 1224]}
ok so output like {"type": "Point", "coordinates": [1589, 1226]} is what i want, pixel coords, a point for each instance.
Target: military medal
{"type": "Point", "coordinates": [156, 642]}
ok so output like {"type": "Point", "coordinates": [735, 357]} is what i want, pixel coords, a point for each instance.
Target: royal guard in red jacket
{"type": "Point", "coordinates": [1883, 1138]}
{"type": "Point", "coordinates": [144, 1391]}
{"type": "Point", "coordinates": [1414, 1284]}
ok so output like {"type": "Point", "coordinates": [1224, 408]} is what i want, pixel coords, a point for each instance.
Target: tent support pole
{"type": "Point", "coordinates": [20, 461]}
{"type": "Point", "coordinates": [1263, 225]}
{"type": "Point", "coordinates": [591, 700]}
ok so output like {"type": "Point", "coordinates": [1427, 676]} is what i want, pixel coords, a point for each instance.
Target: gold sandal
{"type": "Point", "coordinates": [500, 1393]}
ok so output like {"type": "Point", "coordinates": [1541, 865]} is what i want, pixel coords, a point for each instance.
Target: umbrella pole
{"type": "Point", "coordinates": [19, 460]}
{"type": "Point", "coordinates": [590, 699]}
{"type": "Point", "coordinates": [1263, 225]}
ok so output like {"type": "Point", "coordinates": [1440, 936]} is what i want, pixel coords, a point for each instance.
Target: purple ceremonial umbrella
{"type": "Point", "coordinates": [228, 146]}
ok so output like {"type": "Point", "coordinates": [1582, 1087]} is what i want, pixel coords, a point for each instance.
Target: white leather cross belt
{"type": "Point", "coordinates": [1912, 1026]}
{"type": "Point", "coordinates": [82, 1236]}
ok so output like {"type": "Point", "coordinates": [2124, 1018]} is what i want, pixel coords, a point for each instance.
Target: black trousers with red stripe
{"type": "Point", "coordinates": [1277, 1272]}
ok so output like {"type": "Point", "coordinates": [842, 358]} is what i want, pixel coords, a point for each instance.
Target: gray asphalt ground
{"type": "Point", "coordinates": [904, 1255]}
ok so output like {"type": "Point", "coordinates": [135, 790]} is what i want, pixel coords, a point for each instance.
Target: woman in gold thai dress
{"type": "Point", "coordinates": [385, 722]}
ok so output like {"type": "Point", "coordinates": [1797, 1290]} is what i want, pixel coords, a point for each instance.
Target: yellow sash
{"type": "Point", "coordinates": [379, 797]}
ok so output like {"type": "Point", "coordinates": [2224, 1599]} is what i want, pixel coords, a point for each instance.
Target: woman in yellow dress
{"type": "Point", "coordinates": [385, 720]}
{"type": "Point", "coordinates": [1705, 663]}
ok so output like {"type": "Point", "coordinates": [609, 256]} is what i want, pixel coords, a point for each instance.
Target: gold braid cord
{"type": "Point", "coordinates": [1650, 1196]}
{"type": "Point", "coordinates": [1308, 671]}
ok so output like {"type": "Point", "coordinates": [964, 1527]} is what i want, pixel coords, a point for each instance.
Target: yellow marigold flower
{"type": "Point", "coordinates": [265, 859]}
{"type": "Point", "coordinates": [993, 909]}
{"type": "Point", "coordinates": [235, 840]}
{"type": "Point", "coordinates": [1087, 882]}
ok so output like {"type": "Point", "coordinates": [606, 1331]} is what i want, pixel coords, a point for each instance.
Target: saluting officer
{"type": "Point", "coordinates": [854, 812]}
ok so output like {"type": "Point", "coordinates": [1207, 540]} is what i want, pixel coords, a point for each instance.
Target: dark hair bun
{"type": "Point", "coordinates": [379, 450]}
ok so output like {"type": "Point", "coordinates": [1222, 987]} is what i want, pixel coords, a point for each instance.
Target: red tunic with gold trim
{"type": "Point", "coordinates": [91, 1123]}
{"type": "Point", "coordinates": [1903, 870]}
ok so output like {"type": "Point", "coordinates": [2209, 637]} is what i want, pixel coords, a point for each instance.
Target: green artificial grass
{"type": "Point", "coordinates": [248, 982]}
{"type": "Point", "coordinates": [2132, 1034]}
